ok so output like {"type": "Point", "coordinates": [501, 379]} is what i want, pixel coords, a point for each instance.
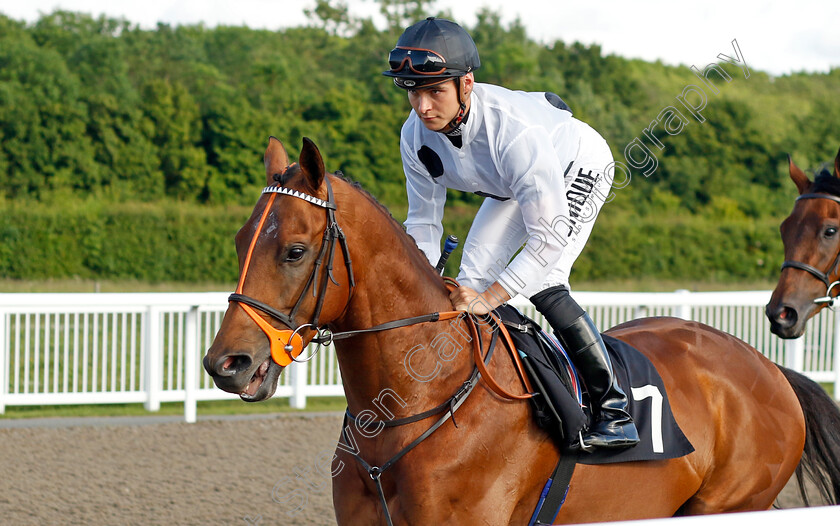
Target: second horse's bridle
{"type": "Point", "coordinates": [817, 273]}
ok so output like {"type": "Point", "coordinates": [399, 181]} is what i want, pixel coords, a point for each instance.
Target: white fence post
{"type": "Point", "coordinates": [154, 354]}
{"type": "Point", "coordinates": [683, 310]}
{"type": "Point", "coordinates": [191, 363]}
{"type": "Point", "coordinates": [299, 372]}
{"type": "Point", "coordinates": [795, 354]}
{"type": "Point", "coordinates": [4, 363]}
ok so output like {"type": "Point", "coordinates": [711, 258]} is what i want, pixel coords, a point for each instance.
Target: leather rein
{"type": "Point", "coordinates": [817, 273]}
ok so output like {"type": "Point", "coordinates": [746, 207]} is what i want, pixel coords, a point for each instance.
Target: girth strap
{"type": "Point", "coordinates": [556, 490]}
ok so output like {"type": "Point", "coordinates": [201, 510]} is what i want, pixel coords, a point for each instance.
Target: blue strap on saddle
{"type": "Point", "coordinates": [555, 491]}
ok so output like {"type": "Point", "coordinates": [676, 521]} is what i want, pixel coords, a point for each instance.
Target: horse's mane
{"type": "Point", "coordinates": [358, 187]}
{"type": "Point", "coordinates": [384, 209]}
{"type": "Point", "coordinates": [282, 178]}
{"type": "Point", "coordinates": [825, 182]}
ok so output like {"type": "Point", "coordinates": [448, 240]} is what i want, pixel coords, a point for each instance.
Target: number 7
{"type": "Point", "coordinates": [652, 392]}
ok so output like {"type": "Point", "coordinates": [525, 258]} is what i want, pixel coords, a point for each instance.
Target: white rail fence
{"type": "Point", "coordinates": [147, 347]}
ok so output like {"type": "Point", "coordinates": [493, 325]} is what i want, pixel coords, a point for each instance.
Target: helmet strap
{"type": "Point", "coordinates": [454, 126]}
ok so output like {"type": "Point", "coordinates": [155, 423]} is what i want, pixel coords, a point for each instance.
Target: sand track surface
{"type": "Point", "coordinates": [263, 470]}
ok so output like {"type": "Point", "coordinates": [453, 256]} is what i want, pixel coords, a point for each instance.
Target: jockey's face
{"type": "Point", "coordinates": [437, 105]}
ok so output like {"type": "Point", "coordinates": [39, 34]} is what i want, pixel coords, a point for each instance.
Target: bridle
{"type": "Point", "coordinates": [817, 273]}
{"type": "Point", "coordinates": [287, 344]}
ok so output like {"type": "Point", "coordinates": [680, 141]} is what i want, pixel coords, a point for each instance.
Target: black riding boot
{"type": "Point", "coordinates": [613, 426]}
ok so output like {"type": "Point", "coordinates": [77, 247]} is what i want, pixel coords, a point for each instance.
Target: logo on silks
{"type": "Point", "coordinates": [408, 82]}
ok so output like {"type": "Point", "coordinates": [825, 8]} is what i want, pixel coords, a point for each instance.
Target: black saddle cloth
{"type": "Point", "coordinates": [660, 436]}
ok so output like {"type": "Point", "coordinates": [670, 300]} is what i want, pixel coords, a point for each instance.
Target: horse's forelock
{"type": "Point", "coordinates": [825, 182]}
{"type": "Point", "coordinates": [290, 171]}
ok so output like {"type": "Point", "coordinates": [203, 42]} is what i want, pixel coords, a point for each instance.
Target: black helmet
{"type": "Point", "coordinates": [431, 51]}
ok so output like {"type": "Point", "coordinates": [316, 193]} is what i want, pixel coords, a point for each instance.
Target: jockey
{"type": "Point", "coordinates": [543, 175]}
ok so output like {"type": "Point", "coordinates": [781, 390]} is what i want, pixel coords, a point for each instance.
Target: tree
{"type": "Point", "coordinates": [122, 139]}
{"type": "Point", "coordinates": [402, 13]}
{"type": "Point", "coordinates": [334, 19]}
{"type": "Point", "coordinates": [174, 118]}
{"type": "Point", "coordinates": [508, 57]}
{"type": "Point", "coordinates": [42, 120]}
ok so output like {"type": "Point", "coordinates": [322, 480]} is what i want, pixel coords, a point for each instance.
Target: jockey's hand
{"type": "Point", "coordinates": [464, 298]}
{"type": "Point", "coordinates": [467, 299]}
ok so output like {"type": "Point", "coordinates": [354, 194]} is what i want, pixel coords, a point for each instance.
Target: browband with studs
{"type": "Point", "coordinates": [300, 195]}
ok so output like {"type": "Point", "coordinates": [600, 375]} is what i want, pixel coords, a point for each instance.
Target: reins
{"type": "Point", "coordinates": [817, 273]}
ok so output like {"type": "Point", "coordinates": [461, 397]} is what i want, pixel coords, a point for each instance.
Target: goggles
{"type": "Point", "coordinates": [419, 61]}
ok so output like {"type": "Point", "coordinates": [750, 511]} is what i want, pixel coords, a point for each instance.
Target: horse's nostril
{"type": "Point", "coordinates": [786, 316]}
{"type": "Point", "coordinates": [233, 364]}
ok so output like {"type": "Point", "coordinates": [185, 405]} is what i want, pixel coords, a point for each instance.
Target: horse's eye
{"type": "Point", "coordinates": [295, 253]}
{"type": "Point", "coordinates": [830, 232]}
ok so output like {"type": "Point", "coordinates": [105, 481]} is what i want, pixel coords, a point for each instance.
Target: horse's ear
{"type": "Point", "coordinates": [276, 160]}
{"type": "Point", "coordinates": [312, 164]}
{"type": "Point", "coordinates": [837, 165]}
{"type": "Point", "coordinates": [799, 178]}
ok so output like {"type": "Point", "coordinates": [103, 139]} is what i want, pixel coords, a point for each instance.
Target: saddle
{"type": "Point", "coordinates": [561, 406]}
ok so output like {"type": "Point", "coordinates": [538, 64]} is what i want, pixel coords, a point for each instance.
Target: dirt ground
{"type": "Point", "coordinates": [267, 470]}
{"type": "Point", "coordinates": [211, 472]}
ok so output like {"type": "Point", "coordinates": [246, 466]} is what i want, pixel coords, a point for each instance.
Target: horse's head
{"type": "Point", "coordinates": [292, 276]}
{"type": "Point", "coordinates": [811, 237]}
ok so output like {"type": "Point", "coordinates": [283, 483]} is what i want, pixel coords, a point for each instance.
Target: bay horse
{"type": "Point", "coordinates": [320, 260]}
{"type": "Point", "coordinates": [810, 273]}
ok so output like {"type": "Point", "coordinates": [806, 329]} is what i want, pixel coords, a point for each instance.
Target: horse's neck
{"type": "Point", "coordinates": [395, 281]}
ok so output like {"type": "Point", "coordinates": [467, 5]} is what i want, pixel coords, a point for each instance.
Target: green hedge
{"type": "Point", "coordinates": [149, 242]}
{"type": "Point", "coordinates": [690, 247]}
{"type": "Point", "coordinates": [190, 243]}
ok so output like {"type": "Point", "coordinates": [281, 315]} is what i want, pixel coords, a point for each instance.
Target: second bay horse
{"type": "Point", "coordinates": [811, 236]}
